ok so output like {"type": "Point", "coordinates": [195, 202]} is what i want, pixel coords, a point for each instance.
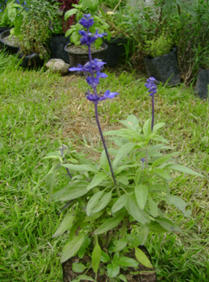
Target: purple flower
{"type": "Point", "coordinates": [92, 66]}
{"type": "Point", "coordinates": [152, 89]}
{"type": "Point", "coordinates": [88, 38]}
{"type": "Point", "coordinates": [96, 98]}
{"type": "Point", "coordinates": [151, 86]}
{"type": "Point", "coordinates": [87, 21]}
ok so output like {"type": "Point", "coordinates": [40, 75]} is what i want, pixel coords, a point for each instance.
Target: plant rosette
{"type": "Point", "coordinates": [111, 206]}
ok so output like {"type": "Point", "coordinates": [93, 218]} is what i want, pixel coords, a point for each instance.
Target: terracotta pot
{"type": "Point", "coordinates": [78, 55]}
{"type": "Point", "coordinates": [144, 274]}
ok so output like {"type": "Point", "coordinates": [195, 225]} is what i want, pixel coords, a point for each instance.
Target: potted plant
{"type": "Point", "coordinates": [33, 33]}
{"type": "Point", "coordinates": [78, 53]}
{"type": "Point", "coordinates": [111, 206]}
{"type": "Point", "coordinates": [150, 26]}
{"type": "Point", "coordinates": [8, 15]}
{"type": "Point", "coordinates": [192, 39]}
{"type": "Point", "coordinates": [161, 60]}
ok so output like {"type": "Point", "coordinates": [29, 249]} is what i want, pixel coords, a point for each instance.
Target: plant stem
{"type": "Point", "coordinates": [103, 141]}
{"type": "Point", "coordinates": [153, 111]}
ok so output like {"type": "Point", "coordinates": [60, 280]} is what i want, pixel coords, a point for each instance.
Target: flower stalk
{"type": "Point", "coordinates": [93, 73]}
{"type": "Point", "coordinates": [152, 89]}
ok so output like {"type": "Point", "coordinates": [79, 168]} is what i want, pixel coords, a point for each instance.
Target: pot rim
{"type": "Point", "coordinates": [69, 50]}
{"type": "Point", "coordinates": [4, 34]}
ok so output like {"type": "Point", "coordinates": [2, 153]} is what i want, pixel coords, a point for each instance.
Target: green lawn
{"type": "Point", "coordinates": [39, 111]}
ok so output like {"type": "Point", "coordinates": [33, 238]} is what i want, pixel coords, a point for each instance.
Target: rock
{"type": "Point", "coordinates": [202, 83]}
{"type": "Point", "coordinates": [58, 65]}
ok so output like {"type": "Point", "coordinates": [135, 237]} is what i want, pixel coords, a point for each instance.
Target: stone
{"type": "Point", "coordinates": [58, 65]}
{"type": "Point", "coordinates": [202, 84]}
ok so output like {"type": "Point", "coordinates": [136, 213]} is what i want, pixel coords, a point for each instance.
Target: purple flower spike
{"type": "Point", "coordinates": [152, 89]}
{"type": "Point", "coordinates": [87, 21]}
{"type": "Point", "coordinates": [151, 86]}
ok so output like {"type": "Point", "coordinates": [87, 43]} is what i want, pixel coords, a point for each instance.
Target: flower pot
{"type": "Point", "coordinates": [143, 274]}
{"type": "Point", "coordinates": [78, 55]}
{"type": "Point", "coordinates": [56, 45]}
{"type": "Point", "coordinates": [164, 68]}
{"type": "Point", "coordinates": [115, 53]}
{"type": "Point", "coordinates": [9, 44]}
{"type": "Point", "coordinates": [202, 83]}
{"type": "Point", "coordinates": [31, 61]}
{"type": "Point", "coordinates": [3, 28]}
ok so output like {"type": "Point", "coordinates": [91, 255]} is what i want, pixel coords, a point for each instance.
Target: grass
{"type": "Point", "coordinates": [40, 111]}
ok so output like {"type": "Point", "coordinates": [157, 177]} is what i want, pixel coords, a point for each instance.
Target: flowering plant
{"type": "Point", "coordinates": [78, 11]}
{"type": "Point", "coordinates": [114, 204]}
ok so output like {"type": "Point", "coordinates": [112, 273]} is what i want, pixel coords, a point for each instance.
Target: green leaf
{"type": "Point", "coordinates": [122, 153]}
{"type": "Point", "coordinates": [123, 179]}
{"type": "Point", "coordinates": [96, 257]}
{"type": "Point", "coordinates": [93, 202]}
{"type": "Point", "coordinates": [72, 247]}
{"type": "Point", "coordinates": [97, 180]}
{"type": "Point", "coordinates": [177, 202]}
{"type": "Point", "coordinates": [103, 202]}
{"type": "Point", "coordinates": [133, 209]}
{"type": "Point", "coordinates": [131, 122]}
{"type": "Point", "coordinates": [83, 277]}
{"type": "Point", "coordinates": [69, 13]}
{"type": "Point", "coordinates": [141, 193]}
{"type": "Point", "coordinates": [119, 245]}
{"type": "Point", "coordinates": [119, 204]}
{"type": "Point", "coordinates": [65, 225]}
{"type": "Point", "coordinates": [71, 192]}
{"type": "Point", "coordinates": [112, 270]}
{"type": "Point", "coordinates": [122, 278]}
{"type": "Point", "coordinates": [105, 257]}
{"type": "Point", "coordinates": [80, 168]}
{"type": "Point", "coordinates": [127, 262]}
{"type": "Point", "coordinates": [147, 127]}
{"type": "Point", "coordinates": [78, 267]}
{"type": "Point", "coordinates": [153, 207]}
{"type": "Point", "coordinates": [185, 170]}
{"type": "Point", "coordinates": [53, 155]}
{"type": "Point", "coordinates": [158, 126]}
{"type": "Point", "coordinates": [142, 258]}
{"type": "Point", "coordinates": [108, 224]}
{"type": "Point", "coordinates": [168, 225]}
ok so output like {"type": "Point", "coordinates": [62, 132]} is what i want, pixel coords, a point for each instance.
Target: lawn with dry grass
{"type": "Point", "coordinates": [39, 112]}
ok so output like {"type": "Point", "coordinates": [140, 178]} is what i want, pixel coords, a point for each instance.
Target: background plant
{"type": "Point", "coordinates": [66, 5]}
{"type": "Point", "coordinates": [32, 31]}
{"type": "Point", "coordinates": [192, 39]}
{"type": "Point", "coordinates": [9, 10]}
{"type": "Point", "coordinates": [85, 7]}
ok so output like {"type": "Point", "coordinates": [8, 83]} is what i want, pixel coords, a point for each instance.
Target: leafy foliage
{"type": "Point", "coordinates": [108, 211]}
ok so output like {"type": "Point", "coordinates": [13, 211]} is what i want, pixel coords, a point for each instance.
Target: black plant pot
{"type": "Point", "coordinates": [56, 45]}
{"type": "Point", "coordinates": [9, 45]}
{"type": "Point", "coordinates": [3, 28]}
{"type": "Point", "coordinates": [78, 55]}
{"type": "Point", "coordinates": [164, 68]}
{"type": "Point", "coordinates": [202, 83]}
{"type": "Point", "coordinates": [115, 53]}
{"type": "Point", "coordinates": [32, 61]}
